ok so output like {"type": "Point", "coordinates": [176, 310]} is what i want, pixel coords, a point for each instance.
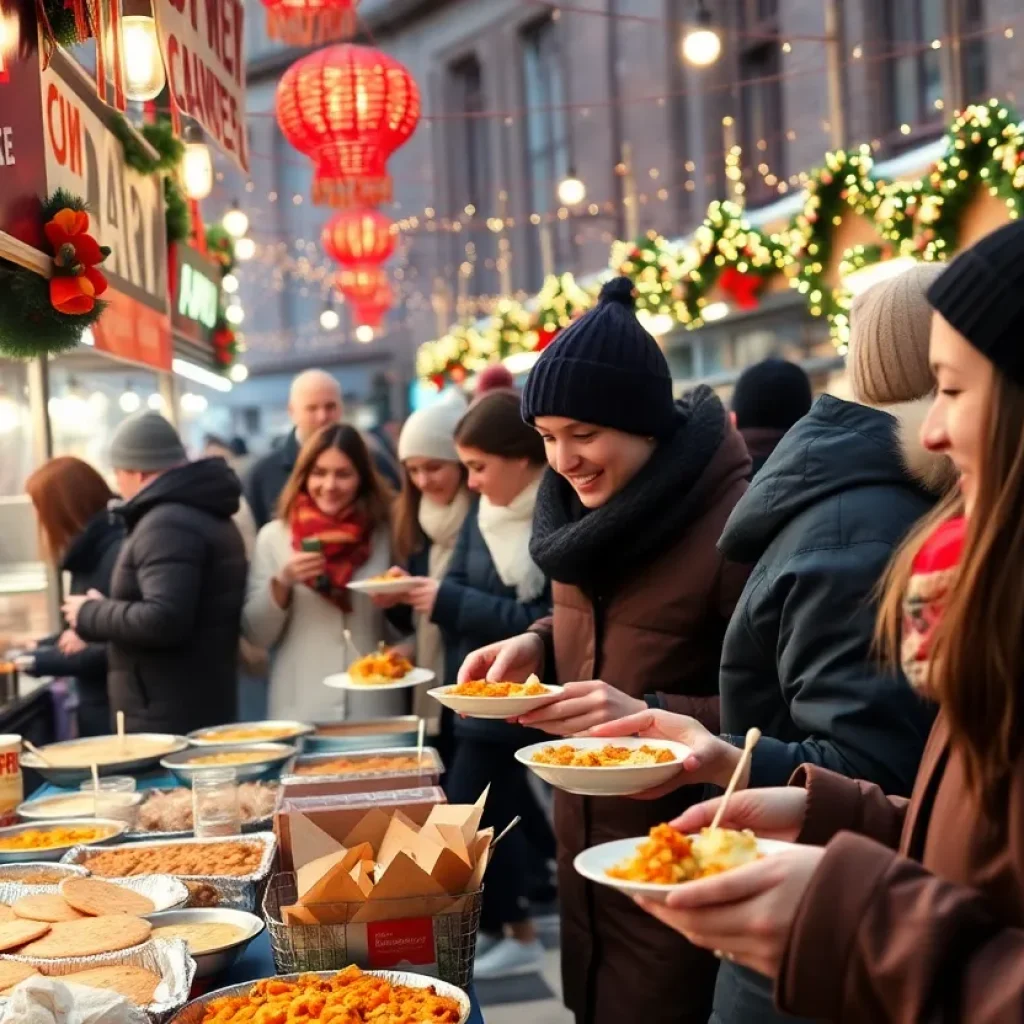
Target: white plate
{"type": "Point", "coordinates": [493, 707]}
{"type": "Point", "coordinates": [396, 586]}
{"type": "Point", "coordinates": [612, 781]}
{"type": "Point", "coordinates": [343, 681]}
{"type": "Point", "coordinates": [594, 863]}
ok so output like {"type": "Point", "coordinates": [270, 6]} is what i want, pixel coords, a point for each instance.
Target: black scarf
{"type": "Point", "coordinates": [597, 548]}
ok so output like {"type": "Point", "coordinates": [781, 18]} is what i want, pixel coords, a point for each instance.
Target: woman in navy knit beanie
{"type": "Point", "coordinates": [637, 492]}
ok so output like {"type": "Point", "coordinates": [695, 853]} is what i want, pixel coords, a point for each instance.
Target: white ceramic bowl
{"type": "Point", "coordinates": [593, 865]}
{"type": "Point", "coordinates": [610, 781]}
{"type": "Point", "coordinates": [493, 707]}
{"type": "Point", "coordinates": [213, 961]}
{"type": "Point", "coordinates": [343, 681]}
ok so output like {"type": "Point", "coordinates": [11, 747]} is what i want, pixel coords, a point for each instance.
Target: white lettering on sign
{"type": "Point", "coordinates": [201, 42]}
{"type": "Point", "coordinates": [197, 297]}
{"type": "Point", "coordinates": [6, 147]}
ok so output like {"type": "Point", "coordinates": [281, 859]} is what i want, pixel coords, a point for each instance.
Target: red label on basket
{"type": "Point", "coordinates": [410, 940]}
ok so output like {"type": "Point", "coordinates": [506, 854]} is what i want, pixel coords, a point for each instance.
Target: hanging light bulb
{"type": "Point", "coordinates": [234, 314]}
{"type": "Point", "coordinates": [129, 401]}
{"type": "Point", "coordinates": [230, 283]}
{"type": "Point", "coordinates": [571, 190]}
{"type": "Point", "coordinates": [364, 334]}
{"type": "Point", "coordinates": [155, 401]}
{"type": "Point", "coordinates": [144, 75]}
{"type": "Point", "coordinates": [236, 221]}
{"type": "Point", "coordinates": [245, 249]}
{"type": "Point", "coordinates": [196, 166]}
{"type": "Point", "coordinates": [239, 372]}
{"type": "Point", "coordinates": [329, 319]}
{"type": "Point", "coordinates": [702, 45]}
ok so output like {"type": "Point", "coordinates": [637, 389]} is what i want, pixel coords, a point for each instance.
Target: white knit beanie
{"type": "Point", "coordinates": [429, 433]}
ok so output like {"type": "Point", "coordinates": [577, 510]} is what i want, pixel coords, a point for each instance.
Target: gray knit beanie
{"type": "Point", "coordinates": [890, 325]}
{"type": "Point", "coordinates": [146, 443]}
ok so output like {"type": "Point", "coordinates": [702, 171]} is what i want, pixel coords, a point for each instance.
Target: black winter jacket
{"type": "Point", "coordinates": [90, 561]}
{"type": "Point", "coordinates": [475, 608]}
{"type": "Point", "coordinates": [172, 619]}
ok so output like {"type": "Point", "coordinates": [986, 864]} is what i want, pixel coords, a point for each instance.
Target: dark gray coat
{"type": "Point", "coordinates": [172, 619]}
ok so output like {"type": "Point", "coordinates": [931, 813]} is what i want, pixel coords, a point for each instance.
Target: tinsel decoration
{"type": "Point", "coordinates": [30, 322]}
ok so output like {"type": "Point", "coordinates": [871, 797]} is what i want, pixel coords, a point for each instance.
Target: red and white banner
{"type": "Point", "coordinates": [202, 46]}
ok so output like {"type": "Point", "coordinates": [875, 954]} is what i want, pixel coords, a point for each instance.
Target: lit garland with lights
{"type": "Point", "coordinates": [560, 301]}
{"type": "Point", "coordinates": [510, 331]}
{"type": "Point", "coordinates": [857, 258]}
{"type": "Point", "coordinates": [655, 267]}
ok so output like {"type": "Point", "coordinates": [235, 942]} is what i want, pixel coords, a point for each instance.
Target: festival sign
{"type": "Point", "coordinates": [126, 209]}
{"type": "Point", "coordinates": [201, 42]}
{"type": "Point", "coordinates": [195, 295]}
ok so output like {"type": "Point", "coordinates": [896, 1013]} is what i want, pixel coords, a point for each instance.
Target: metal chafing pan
{"type": "Point", "coordinates": [341, 737]}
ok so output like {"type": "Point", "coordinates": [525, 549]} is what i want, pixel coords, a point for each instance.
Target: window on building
{"type": "Point", "coordinates": [547, 146]}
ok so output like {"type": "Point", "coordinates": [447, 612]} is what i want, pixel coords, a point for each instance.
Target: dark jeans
{"type": "Point", "coordinates": [477, 764]}
{"type": "Point", "coordinates": [743, 996]}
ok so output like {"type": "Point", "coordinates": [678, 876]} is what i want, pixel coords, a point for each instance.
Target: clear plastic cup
{"type": "Point", "coordinates": [215, 809]}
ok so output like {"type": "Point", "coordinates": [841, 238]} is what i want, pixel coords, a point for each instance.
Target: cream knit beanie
{"type": "Point", "coordinates": [429, 433]}
{"type": "Point", "coordinates": [890, 325]}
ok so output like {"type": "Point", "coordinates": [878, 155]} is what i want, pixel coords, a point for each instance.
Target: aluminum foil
{"type": "Point", "coordinates": [195, 1011]}
{"type": "Point", "coordinates": [430, 763]}
{"type": "Point", "coordinates": [239, 892]}
{"type": "Point", "coordinates": [9, 872]}
{"type": "Point", "coordinates": [166, 891]}
{"type": "Point", "coordinates": [167, 957]}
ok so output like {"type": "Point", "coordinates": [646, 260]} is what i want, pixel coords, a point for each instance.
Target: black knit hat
{"type": "Point", "coordinates": [773, 394]}
{"type": "Point", "coordinates": [604, 368]}
{"type": "Point", "coordinates": [981, 295]}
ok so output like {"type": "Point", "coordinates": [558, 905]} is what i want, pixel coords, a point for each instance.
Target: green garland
{"type": "Point", "coordinates": [510, 331]}
{"type": "Point", "coordinates": [30, 326]}
{"type": "Point", "coordinates": [221, 247]}
{"type": "Point", "coordinates": [176, 212]}
{"type": "Point", "coordinates": [62, 23]}
{"type": "Point", "coordinates": [559, 302]}
{"type": "Point", "coordinates": [653, 265]}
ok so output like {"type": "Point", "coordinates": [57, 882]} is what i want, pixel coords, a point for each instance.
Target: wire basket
{"type": "Point", "coordinates": [329, 947]}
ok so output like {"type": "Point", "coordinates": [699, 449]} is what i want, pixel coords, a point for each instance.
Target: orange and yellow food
{"type": "Point", "coordinates": [382, 667]}
{"type": "Point", "coordinates": [346, 765]}
{"type": "Point", "coordinates": [248, 733]}
{"type": "Point", "coordinates": [609, 756]}
{"type": "Point", "coordinates": [350, 997]}
{"type": "Point", "coordinates": [230, 860]}
{"type": "Point", "coordinates": [483, 688]}
{"type": "Point", "coordinates": [235, 757]}
{"type": "Point", "coordinates": [667, 857]}
{"type": "Point", "coordinates": [50, 838]}
{"type": "Point", "coordinates": [103, 750]}
{"type": "Point", "coordinates": [394, 573]}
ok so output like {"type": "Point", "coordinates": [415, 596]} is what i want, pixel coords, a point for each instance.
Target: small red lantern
{"type": "Point", "coordinates": [310, 22]}
{"type": "Point", "coordinates": [371, 313]}
{"type": "Point", "coordinates": [348, 108]}
{"type": "Point", "coordinates": [361, 283]}
{"type": "Point", "coordinates": [359, 236]}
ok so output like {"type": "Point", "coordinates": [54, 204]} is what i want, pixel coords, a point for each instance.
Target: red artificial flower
{"type": "Point", "coordinates": [742, 288]}
{"type": "Point", "coordinates": [76, 283]}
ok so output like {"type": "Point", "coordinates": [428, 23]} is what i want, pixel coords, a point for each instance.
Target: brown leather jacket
{"type": "Point", "coordinates": [660, 632]}
{"type": "Point", "coordinates": [932, 932]}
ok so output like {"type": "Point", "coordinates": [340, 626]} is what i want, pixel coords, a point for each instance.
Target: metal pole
{"type": "Point", "coordinates": [169, 394]}
{"type": "Point", "coordinates": [953, 65]}
{"type": "Point", "coordinates": [629, 197]}
{"type": "Point", "coordinates": [834, 51]}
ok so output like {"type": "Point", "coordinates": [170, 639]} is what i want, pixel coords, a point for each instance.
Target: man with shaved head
{"type": "Point", "coordinates": [313, 402]}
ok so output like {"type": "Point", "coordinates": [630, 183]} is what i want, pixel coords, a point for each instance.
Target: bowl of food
{"type": "Point", "coordinates": [597, 767]}
{"type": "Point", "coordinates": [104, 804]}
{"type": "Point", "coordinates": [394, 581]}
{"type": "Point", "coordinates": [251, 762]}
{"type": "Point", "coordinates": [386, 669]}
{"type": "Point", "coordinates": [667, 858]}
{"type": "Point", "coordinates": [215, 938]}
{"type": "Point", "coordinates": [480, 698]}
{"type": "Point", "coordinates": [70, 762]}
{"type": "Point", "coordinates": [36, 841]}
{"type": "Point", "coordinates": [248, 733]}
{"type": "Point", "coordinates": [167, 813]}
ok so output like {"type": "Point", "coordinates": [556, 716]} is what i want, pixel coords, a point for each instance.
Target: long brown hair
{"type": "Point", "coordinates": [494, 425]}
{"type": "Point", "coordinates": [374, 496]}
{"type": "Point", "coordinates": [408, 537]}
{"type": "Point", "coordinates": [976, 669]}
{"type": "Point", "coordinates": [66, 493]}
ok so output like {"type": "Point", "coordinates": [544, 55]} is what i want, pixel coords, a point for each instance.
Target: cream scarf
{"type": "Point", "coordinates": [506, 531]}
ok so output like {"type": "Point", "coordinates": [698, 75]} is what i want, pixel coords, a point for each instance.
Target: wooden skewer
{"type": "Point", "coordinates": [32, 748]}
{"type": "Point", "coordinates": [96, 788]}
{"type": "Point", "coordinates": [120, 731]}
{"type": "Point", "coordinates": [753, 735]}
{"type": "Point", "coordinates": [505, 831]}
{"type": "Point", "coordinates": [419, 741]}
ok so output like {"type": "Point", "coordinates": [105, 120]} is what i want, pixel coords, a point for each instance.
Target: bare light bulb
{"type": "Point", "coordinates": [155, 401]}
{"type": "Point", "coordinates": [230, 283]}
{"type": "Point", "coordinates": [329, 319]}
{"type": "Point", "coordinates": [144, 76]}
{"type": "Point", "coordinates": [245, 249]}
{"type": "Point", "coordinates": [129, 401]}
{"type": "Point", "coordinates": [702, 45]}
{"type": "Point", "coordinates": [364, 334]}
{"type": "Point", "coordinates": [239, 372]}
{"type": "Point", "coordinates": [234, 314]}
{"type": "Point", "coordinates": [236, 222]}
{"type": "Point", "coordinates": [197, 170]}
{"type": "Point", "coordinates": [571, 191]}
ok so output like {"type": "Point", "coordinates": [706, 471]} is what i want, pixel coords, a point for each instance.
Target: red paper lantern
{"type": "Point", "coordinates": [348, 108]}
{"type": "Point", "coordinates": [310, 22]}
{"type": "Point", "coordinates": [361, 283]}
{"type": "Point", "coordinates": [371, 313]}
{"type": "Point", "coordinates": [359, 236]}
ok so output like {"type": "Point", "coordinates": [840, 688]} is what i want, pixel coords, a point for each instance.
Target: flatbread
{"type": "Point", "coordinates": [45, 906]}
{"type": "Point", "coordinates": [17, 933]}
{"type": "Point", "coordinates": [134, 983]}
{"type": "Point", "coordinates": [92, 896]}
{"type": "Point", "coordinates": [6, 914]}
{"type": "Point", "coordinates": [90, 936]}
{"type": "Point", "coordinates": [12, 974]}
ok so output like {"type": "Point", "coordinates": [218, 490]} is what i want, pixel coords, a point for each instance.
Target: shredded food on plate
{"type": "Point", "coordinates": [609, 756]}
{"type": "Point", "coordinates": [668, 857]}
{"type": "Point", "coordinates": [350, 997]}
{"type": "Point", "coordinates": [482, 688]}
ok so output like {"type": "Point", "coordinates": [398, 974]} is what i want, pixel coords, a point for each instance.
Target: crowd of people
{"type": "Point", "coordinates": [841, 575]}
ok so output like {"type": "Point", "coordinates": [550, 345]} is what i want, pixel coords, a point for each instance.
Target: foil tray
{"type": "Point", "coordinates": [195, 1011]}
{"type": "Point", "coordinates": [239, 892]}
{"type": "Point", "coordinates": [166, 891]}
{"type": "Point", "coordinates": [430, 764]}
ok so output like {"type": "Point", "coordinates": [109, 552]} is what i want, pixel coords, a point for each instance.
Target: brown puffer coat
{"type": "Point", "coordinates": [657, 630]}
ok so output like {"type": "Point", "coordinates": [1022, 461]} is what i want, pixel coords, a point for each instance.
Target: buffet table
{"type": "Point", "coordinates": [257, 961]}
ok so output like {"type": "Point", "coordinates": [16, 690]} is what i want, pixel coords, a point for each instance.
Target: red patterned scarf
{"type": "Point", "coordinates": [345, 543]}
{"type": "Point", "coordinates": [932, 577]}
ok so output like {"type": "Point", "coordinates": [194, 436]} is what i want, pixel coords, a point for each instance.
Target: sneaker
{"type": "Point", "coordinates": [486, 942]}
{"type": "Point", "coordinates": [509, 958]}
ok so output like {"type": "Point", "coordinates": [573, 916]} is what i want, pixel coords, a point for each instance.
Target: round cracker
{"type": "Point", "coordinates": [6, 914]}
{"type": "Point", "coordinates": [45, 906]}
{"type": "Point", "coordinates": [17, 933]}
{"type": "Point", "coordinates": [90, 936]}
{"type": "Point", "coordinates": [12, 974]}
{"type": "Point", "coordinates": [95, 897]}
{"type": "Point", "coordinates": [134, 983]}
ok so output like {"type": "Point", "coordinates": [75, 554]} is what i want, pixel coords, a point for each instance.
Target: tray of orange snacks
{"type": "Point", "coordinates": [349, 995]}
{"type": "Point", "coordinates": [482, 698]}
{"type": "Point", "coordinates": [385, 669]}
{"type": "Point", "coordinates": [37, 841]}
{"type": "Point", "coordinates": [401, 765]}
